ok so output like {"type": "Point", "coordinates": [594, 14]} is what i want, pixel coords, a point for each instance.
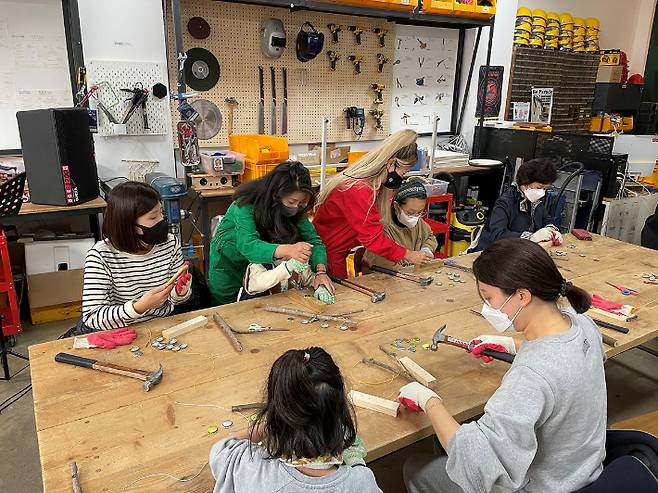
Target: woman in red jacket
{"type": "Point", "coordinates": [355, 202]}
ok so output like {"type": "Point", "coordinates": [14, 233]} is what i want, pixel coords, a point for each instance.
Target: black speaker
{"type": "Point", "coordinates": [58, 151]}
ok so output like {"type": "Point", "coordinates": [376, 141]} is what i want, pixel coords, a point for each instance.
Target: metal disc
{"type": "Point", "coordinates": [198, 28]}
{"type": "Point", "coordinates": [209, 121]}
{"type": "Point", "coordinates": [201, 69]}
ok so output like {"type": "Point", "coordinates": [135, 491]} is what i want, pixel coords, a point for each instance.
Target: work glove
{"type": "Point", "coordinates": [356, 453]}
{"type": "Point", "coordinates": [294, 265]}
{"type": "Point", "coordinates": [183, 283]}
{"type": "Point", "coordinates": [501, 344]}
{"type": "Point", "coordinates": [415, 396]}
{"type": "Point", "coordinates": [428, 251]}
{"type": "Point", "coordinates": [109, 339]}
{"type": "Point", "coordinates": [323, 294]}
{"type": "Point", "coordinates": [541, 235]}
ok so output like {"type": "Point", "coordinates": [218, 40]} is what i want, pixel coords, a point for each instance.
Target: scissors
{"type": "Point", "coordinates": [623, 290]}
{"type": "Point", "coordinates": [261, 328]}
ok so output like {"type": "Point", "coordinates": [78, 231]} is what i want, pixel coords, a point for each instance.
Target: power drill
{"type": "Point", "coordinates": [357, 30]}
{"type": "Point", "coordinates": [333, 58]}
{"type": "Point", "coordinates": [356, 60]}
{"type": "Point", "coordinates": [381, 33]}
{"type": "Point", "coordinates": [377, 115]}
{"type": "Point", "coordinates": [381, 60]}
{"type": "Point", "coordinates": [335, 29]}
{"type": "Point", "coordinates": [379, 90]}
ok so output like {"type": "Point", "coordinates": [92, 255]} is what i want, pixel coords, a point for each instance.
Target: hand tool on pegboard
{"type": "Point", "coordinates": [261, 103]}
{"type": "Point", "coordinates": [441, 338]}
{"type": "Point", "coordinates": [381, 61]}
{"type": "Point", "coordinates": [150, 378]}
{"type": "Point", "coordinates": [377, 115]}
{"type": "Point", "coordinates": [381, 34]}
{"type": "Point", "coordinates": [335, 29]}
{"type": "Point", "coordinates": [232, 104]}
{"type": "Point", "coordinates": [284, 107]}
{"type": "Point", "coordinates": [375, 296]}
{"type": "Point", "coordinates": [356, 60]}
{"type": "Point", "coordinates": [139, 97]}
{"type": "Point", "coordinates": [379, 91]}
{"type": "Point", "coordinates": [333, 58]}
{"type": "Point", "coordinates": [423, 281]}
{"type": "Point", "coordinates": [357, 31]}
{"type": "Point", "coordinates": [273, 106]}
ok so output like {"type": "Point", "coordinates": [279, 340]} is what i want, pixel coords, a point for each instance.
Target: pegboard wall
{"type": "Point", "coordinates": [314, 90]}
{"type": "Point", "coordinates": [111, 77]}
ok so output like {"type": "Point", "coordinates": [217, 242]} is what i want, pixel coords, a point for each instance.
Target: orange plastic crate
{"type": "Point", "coordinates": [253, 171]}
{"type": "Point", "coordinates": [392, 4]}
{"type": "Point", "coordinates": [461, 7]}
{"type": "Point", "coordinates": [260, 149]}
{"type": "Point", "coordinates": [443, 7]}
{"type": "Point", "coordinates": [488, 10]}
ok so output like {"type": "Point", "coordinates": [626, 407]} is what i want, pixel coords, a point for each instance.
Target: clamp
{"type": "Point", "coordinates": [356, 60]}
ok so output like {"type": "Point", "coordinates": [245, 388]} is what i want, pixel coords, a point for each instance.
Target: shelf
{"type": "Point", "coordinates": [413, 17]}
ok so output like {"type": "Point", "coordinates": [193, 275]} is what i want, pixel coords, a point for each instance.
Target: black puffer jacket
{"type": "Point", "coordinates": [513, 216]}
{"type": "Point", "coordinates": [649, 237]}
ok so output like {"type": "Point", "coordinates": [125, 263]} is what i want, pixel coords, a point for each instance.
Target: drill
{"type": "Point", "coordinates": [356, 60]}
{"type": "Point", "coordinates": [381, 60]}
{"type": "Point", "coordinates": [357, 30]}
{"type": "Point", "coordinates": [335, 29]}
{"type": "Point", "coordinates": [381, 33]}
{"type": "Point", "coordinates": [377, 115]}
{"type": "Point", "coordinates": [333, 58]}
{"type": "Point", "coordinates": [379, 90]}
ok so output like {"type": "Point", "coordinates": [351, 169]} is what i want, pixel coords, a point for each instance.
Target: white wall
{"type": "Point", "coordinates": [133, 31]}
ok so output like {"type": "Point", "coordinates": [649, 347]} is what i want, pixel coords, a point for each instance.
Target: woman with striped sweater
{"type": "Point", "coordinates": [126, 273]}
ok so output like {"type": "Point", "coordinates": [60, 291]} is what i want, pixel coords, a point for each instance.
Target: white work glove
{"type": "Point", "coordinates": [501, 344]}
{"type": "Point", "coordinates": [258, 279]}
{"type": "Point", "coordinates": [415, 396]}
{"type": "Point", "coordinates": [428, 251]}
{"type": "Point", "coordinates": [541, 235]}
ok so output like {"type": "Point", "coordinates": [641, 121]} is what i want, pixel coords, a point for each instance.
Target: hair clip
{"type": "Point", "coordinates": [307, 358]}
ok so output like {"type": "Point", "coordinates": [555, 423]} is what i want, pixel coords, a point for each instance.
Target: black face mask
{"type": "Point", "coordinates": [393, 180]}
{"type": "Point", "coordinates": [289, 211]}
{"type": "Point", "coordinates": [156, 234]}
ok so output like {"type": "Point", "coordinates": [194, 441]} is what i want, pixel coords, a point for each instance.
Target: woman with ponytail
{"type": "Point", "coordinates": [303, 439]}
{"type": "Point", "coordinates": [544, 428]}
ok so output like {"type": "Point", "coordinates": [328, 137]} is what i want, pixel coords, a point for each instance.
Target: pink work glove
{"type": "Point", "coordinates": [605, 304]}
{"type": "Point", "coordinates": [183, 282]}
{"type": "Point", "coordinates": [109, 339]}
{"type": "Point", "coordinates": [502, 344]}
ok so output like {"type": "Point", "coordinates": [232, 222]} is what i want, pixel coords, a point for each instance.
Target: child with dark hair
{"type": "Point", "coordinates": [406, 226]}
{"type": "Point", "coordinates": [267, 226]}
{"type": "Point", "coordinates": [544, 428]}
{"type": "Point", "coordinates": [301, 439]}
{"type": "Point", "coordinates": [520, 212]}
{"type": "Point", "coordinates": [127, 273]}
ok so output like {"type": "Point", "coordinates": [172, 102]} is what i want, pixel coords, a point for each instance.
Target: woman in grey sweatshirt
{"type": "Point", "coordinates": [543, 430]}
{"type": "Point", "coordinates": [304, 439]}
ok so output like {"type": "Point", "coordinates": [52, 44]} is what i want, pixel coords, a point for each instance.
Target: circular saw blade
{"type": "Point", "coordinates": [201, 69]}
{"type": "Point", "coordinates": [209, 121]}
{"type": "Point", "coordinates": [198, 28]}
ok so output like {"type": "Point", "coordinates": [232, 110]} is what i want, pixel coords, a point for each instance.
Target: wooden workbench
{"type": "Point", "coordinates": [117, 433]}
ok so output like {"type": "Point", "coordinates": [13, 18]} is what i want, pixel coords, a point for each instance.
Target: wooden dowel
{"type": "Point", "coordinates": [228, 332]}
{"type": "Point", "coordinates": [75, 481]}
{"type": "Point", "coordinates": [247, 407]}
{"type": "Point", "coordinates": [303, 313]}
{"type": "Point", "coordinates": [610, 341]}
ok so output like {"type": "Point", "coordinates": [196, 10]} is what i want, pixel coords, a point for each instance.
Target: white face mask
{"type": "Point", "coordinates": [404, 218]}
{"type": "Point", "coordinates": [500, 321]}
{"type": "Point", "coordinates": [534, 194]}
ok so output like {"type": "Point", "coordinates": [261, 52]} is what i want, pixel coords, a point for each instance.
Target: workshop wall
{"type": "Point", "coordinates": [125, 30]}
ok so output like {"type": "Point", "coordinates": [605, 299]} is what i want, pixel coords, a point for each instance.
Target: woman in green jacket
{"type": "Point", "coordinates": [266, 224]}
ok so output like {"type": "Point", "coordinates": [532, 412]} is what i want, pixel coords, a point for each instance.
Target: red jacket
{"type": "Point", "coordinates": [348, 218]}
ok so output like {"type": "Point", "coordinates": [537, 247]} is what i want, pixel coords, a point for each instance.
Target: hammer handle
{"type": "Point", "coordinates": [93, 364]}
{"type": "Point", "coordinates": [499, 355]}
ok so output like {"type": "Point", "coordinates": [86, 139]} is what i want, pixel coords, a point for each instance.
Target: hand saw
{"type": "Point", "coordinates": [273, 107]}
{"type": "Point", "coordinates": [261, 103]}
{"type": "Point", "coordinates": [284, 108]}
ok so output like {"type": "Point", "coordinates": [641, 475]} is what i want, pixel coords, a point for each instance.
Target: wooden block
{"type": "Point", "coordinates": [173, 279]}
{"type": "Point", "coordinates": [418, 372]}
{"type": "Point", "coordinates": [374, 403]}
{"type": "Point", "coordinates": [597, 311]}
{"type": "Point", "coordinates": [185, 327]}
{"type": "Point", "coordinates": [306, 300]}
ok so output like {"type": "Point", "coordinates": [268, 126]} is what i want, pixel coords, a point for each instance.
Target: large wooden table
{"type": "Point", "coordinates": [118, 433]}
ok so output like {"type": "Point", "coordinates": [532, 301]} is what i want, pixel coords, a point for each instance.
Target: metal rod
{"type": "Point", "coordinates": [323, 151]}
{"type": "Point", "coordinates": [467, 90]}
{"type": "Point", "coordinates": [397, 371]}
{"type": "Point", "coordinates": [180, 49]}
{"type": "Point", "coordinates": [247, 407]}
{"type": "Point", "coordinates": [435, 129]}
{"type": "Point", "coordinates": [608, 325]}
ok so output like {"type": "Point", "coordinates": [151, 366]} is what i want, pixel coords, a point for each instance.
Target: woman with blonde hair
{"type": "Point", "coordinates": [355, 203]}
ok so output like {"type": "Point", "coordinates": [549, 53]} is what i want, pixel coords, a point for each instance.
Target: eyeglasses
{"type": "Point", "coordinates": [416, 214]}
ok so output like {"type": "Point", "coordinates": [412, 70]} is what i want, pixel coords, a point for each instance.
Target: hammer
{"type": "Point", "coordinates": [232, 103]}
{"type": "Point", "coordinates": [150, 378]}
{"type": "Point", "coordinates": [441, 338]}
{"type": "Point", "coordinates": [423, 281]}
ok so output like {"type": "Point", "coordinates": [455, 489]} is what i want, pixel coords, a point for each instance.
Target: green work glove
{"type": "Point", "coordinates": [356, 453]}
{"type": "Point", "coordinates": [323, 294]}
{"type": "Point", "coordinates": [294, 265]}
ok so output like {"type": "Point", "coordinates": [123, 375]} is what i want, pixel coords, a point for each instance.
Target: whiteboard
{"type": "Point", "coordinates": [424, 71]}
{"type": "Point", "coordinates": [34, 67]}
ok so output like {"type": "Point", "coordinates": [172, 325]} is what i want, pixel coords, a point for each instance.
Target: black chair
{"type": "Point", "coordinates": [631, 464]}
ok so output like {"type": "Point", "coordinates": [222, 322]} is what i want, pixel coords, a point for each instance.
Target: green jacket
{"type": "Point", "coordinates": [237, 243]}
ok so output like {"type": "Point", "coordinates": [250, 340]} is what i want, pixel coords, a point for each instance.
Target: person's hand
{"type": "Point", "coordinates": [183, 283]}
{"type": "Point", "coordinates": [152, 299]}
{"type": "Point", "coordinates": [299, 251]}
{"type": "Point", "coordinates": [416, 396]}
{"type": "Point", "coordinates": [322, 279]}
{"type": "Point", "coordinates": [323, 294]}
{"type": "Point", "coordinates": [417, 258]}
{"type": "Point", "coordinates": [109, 339]}
{"type": "Point", "coordinates": [541, 235]}
{"type": "Point", "coordinates": [428, 251]}
{"type": "Point", "coordinates": [356, 453]}
{"type": "Point", "coordinates": [557, 238]}
{"type": "Point", "coordinates": [501, 344]}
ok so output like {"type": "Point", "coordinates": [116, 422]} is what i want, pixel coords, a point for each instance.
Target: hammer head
{"type": "Point", "coordinates": [378, 296]}
{"type": "Point", "coordinates": [438, 338]}
{"type": "Point", "coordinates": [152, 379]}
{"type": "Point", "coordinates": [425, 281]}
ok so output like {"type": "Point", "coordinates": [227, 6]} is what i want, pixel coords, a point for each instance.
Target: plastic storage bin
{"type": "Point", "coordinates": [254, 171]}
{"type": "Point", "coordinates": [436, 187]}
{"type": "Point", "coordinates": [260, 149]}
{"type": "Point", "coordinates": [464, 7]}
{"type": "Point", "coordinates": [485, 8]}
{"type": "Point", "coordinates": [442, 7]}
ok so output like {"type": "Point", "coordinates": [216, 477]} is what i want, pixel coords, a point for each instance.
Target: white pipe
{"type": "Point", "coordinates": [435, 129]}
{"type": "Point", "coordinates": [323, 153]}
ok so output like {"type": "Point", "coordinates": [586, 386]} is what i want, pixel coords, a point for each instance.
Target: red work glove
{"type": "Point", "coordinates": [605, 304]}
{"type": "Point", "coordinates": [183, 283]}
{"type": "Point", "coordinates": [109, 339]}
{"type": "Point", "coordinates": [502, 344]}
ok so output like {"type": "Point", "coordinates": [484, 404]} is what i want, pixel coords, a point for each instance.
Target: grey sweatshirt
{"type": "Point", "coordinates": [236, 470]}
{"type": "Point", "coordinates": [543, 430]}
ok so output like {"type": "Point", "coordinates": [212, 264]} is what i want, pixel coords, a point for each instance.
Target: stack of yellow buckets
{"type": "Point", "coordinates": [523, 26]}
{"type": "Point", "coordinates": [592, 34]}
{"type": "Point", "coordinates": [552, 31]}
{"type": "Point", "coordinates": [578, 35]}
{"type": "Point", "coordinates": [566, 32]}
{"type": "Point", "coordinates": [538, 33]}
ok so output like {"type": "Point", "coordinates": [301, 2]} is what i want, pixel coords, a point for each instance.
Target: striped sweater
{"type": "Point", "coordinates": [114, 279]}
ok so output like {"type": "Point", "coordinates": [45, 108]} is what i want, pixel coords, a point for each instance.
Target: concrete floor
{"type": "Point", "coordinates": [632, 390]}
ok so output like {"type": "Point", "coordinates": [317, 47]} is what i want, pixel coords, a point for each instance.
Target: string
{"type": "Point", "coordinates": [246, 418]}
{"type": "Point", "coordinates": [160, 474]}
{"type": "Point", "coordinates": [364, 382]}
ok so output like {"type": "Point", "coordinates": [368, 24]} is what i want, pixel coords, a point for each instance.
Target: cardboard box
{"type": "Point", "coordinates": [55, 288]}
{"type": "Point", "coordinates": [310, 158]}
{"type": "Point", "coordinates": [609, 73]}
{"type": "Point", "coordinates": [335, 154]}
